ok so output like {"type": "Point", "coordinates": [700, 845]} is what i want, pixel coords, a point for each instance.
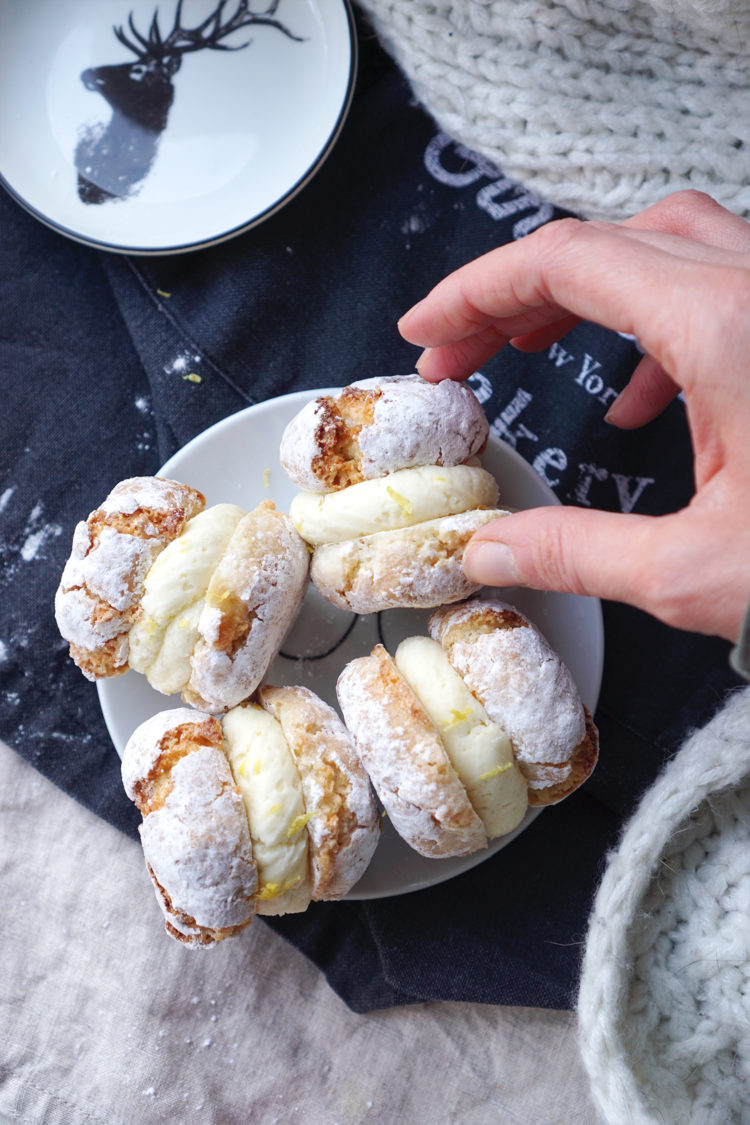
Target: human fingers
{"type": "Point", "coordinates": [681, 568]}
{"type": "Point", "coordinates": [647, 393]}
{"type": "Point", "coordinates": [589, 270]}
{"type": "Point", "coordinates": [541, 338]}
{"type": "Point", "coordinates": [695, 217]}
{"type": "Point", "coordinates": [461, 359]}
{"type": "Point", "coordinates": [468, 355]}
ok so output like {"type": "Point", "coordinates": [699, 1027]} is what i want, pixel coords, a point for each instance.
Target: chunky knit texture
{"type": "Point", "coordinates": [600, 107]}
{"type": "Point", "coordinates": [664, 1002]}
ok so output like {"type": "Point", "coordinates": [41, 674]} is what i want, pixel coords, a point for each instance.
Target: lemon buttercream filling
{"type": "Point", "coordinates": [267, 777]}
{"type": "Point", "coordinates": [479, 750]}
{"type": "Point", "coordinates": [400, 499]}
{"type": "Point", "coordinates": [164, 636]}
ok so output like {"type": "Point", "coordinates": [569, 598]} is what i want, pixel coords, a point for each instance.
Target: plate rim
{"type": "Point", "coordinates": [440, 874]}
{"type": "Point", "coordinates": [242, 228]}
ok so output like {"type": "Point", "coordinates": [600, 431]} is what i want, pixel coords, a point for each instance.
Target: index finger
{"type": "Point", "coordinates": [588, 269]}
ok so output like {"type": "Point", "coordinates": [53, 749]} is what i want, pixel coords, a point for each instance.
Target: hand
{"type": "Point", "coordinates": [677, 276]}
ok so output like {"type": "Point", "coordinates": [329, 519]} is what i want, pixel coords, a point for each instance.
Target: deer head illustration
{"type": "Point", "coordinates": [113, 158]}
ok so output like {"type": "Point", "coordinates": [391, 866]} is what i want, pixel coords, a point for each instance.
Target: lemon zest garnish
{"type": "Point", "coordinates": [402, 502]}
{"type": "Point", "coordinates": [268, 890]}
{"type": "Point", "coordinates": [273, 809]}
{"type": "Point", "coordinates": [298, 823]}
{"type": "Point", "coordinates": [266, 477]}
{"type": "Point", "coordinates": [457, 717]}
{"type": "Point", "coordinates": [290, 883]}
{"type": "Point", "coordinates": [258, 767]}
{"type": "Point", "coordinates": [163, 293]}
{"type": "Point", "coordinates": [193, 377]}
{"type": "Point", "coordinates": [243, 764]}
{"type": "Point", "coordinates": [497, 770]}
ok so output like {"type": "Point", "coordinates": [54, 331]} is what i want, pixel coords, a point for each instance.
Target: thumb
{"type": "Point", "coordinates": [600, 554]}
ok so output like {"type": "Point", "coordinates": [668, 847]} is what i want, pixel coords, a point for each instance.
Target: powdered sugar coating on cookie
{"type": "Point", "coordinates": [420, 423]}
{"type": "Point", "coordinates": [379, 425]}
{"type": "Point", "coordinates": [144, 747]}
{"type": "Point", "coordinates": [197, 847]}
{"type": "Point", "coordinates": [519, 679]}
{"type": "Point", "coordinates": [406, 760]}
{"type": "Point", "coordinates": [111, 568]}
{"type": "Point", "coordinates": [417, 567]}
{"type": "Point", "coordinates": [251, 601]}
{"type": "Point", "coordinates": [98, 596]}
{"type": "Point", "coordinates": [195, 834]}
{"type": "Point", "coordinates": [343, 825]}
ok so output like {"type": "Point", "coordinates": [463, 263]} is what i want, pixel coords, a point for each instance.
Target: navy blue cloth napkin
{"type": "Point", "coordinates": [93, 358]}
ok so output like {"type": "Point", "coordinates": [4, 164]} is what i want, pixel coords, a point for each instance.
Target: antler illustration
{"type": "Point", "coordinates": [207, 35]}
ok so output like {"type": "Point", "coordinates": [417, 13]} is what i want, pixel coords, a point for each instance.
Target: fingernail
{"type": "Point", "coordinates": [408, 313]}
{"type": "Point", "coordinates": [492, 564]}
{"type": "Point", "coordinates": [423, 359]}
{"type": "Point", "coordinates": [611, 416]}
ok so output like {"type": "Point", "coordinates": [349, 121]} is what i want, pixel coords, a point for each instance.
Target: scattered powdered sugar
{"type": "Point", "coordinates": [33, 545]}
{"type": "Point", "coordinates": [184, 366]}
{"type": "Point", "coordinates": [35, 536]}
{"type": "Point", "coordinates": [413, 225]}
{"type": "Point", "coordinates": [178, 365]}
{"type": "Point", "coordinates": [36, 533]}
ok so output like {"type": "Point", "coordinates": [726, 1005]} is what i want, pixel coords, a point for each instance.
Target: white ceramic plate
{"type": "Point", "coordinates": [237, 461]}
{"type": "Point", "coordinates": [128, 131]}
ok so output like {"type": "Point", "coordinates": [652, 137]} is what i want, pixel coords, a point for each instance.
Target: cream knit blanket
{"type": "Point", "coordinates": [600, 107]}
{"type": "Point", "coordinates": [664, 1002]}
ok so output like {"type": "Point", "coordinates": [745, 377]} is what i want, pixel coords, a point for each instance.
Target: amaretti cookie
{"type": "Point", "coordinates": [510, 667]}
{"type": "Point", "coordinates": [217, 604]}
{"type": "Point", "coordinates": [393, 492]}
{"type": "Point", "coordinates": [202, 613]}
{"type": "Point", "coordinates": [260, 811]}
{"type": "Point", "coordinates": [113, 550]}
{"type": "Point", "coordinates": [377, 426]}
{"type": "Point", "coordinates": [459, 735]}
{"type": "Point", "coordinates": [195, 835]}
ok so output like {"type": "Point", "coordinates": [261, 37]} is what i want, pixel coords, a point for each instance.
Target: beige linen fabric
{"type": "Point", "coordinates": [106, 1021]}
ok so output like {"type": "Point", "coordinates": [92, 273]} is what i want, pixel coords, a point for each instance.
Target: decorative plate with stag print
{"type": "Point", "coordinates": [160, 126]}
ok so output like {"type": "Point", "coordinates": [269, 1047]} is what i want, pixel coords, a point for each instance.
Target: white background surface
{"type": "Point", "coordinates": [104, 1020]}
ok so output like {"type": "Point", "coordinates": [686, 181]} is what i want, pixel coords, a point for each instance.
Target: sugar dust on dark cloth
{"type": "Point", "coordinates": [93, 360]}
